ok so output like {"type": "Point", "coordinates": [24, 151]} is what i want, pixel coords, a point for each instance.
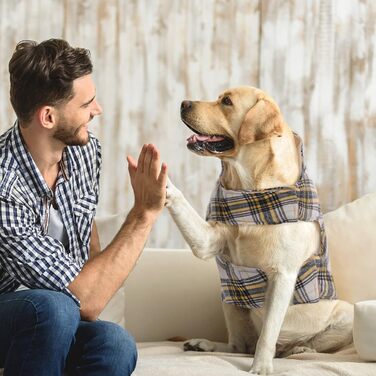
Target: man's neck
{"type": "Point", "coordinates": [45, 152]}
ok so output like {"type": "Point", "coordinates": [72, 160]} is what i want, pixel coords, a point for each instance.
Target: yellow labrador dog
{"type": "Point", "coordinates": [274, 260]}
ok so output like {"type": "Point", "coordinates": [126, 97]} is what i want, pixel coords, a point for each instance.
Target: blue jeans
{"type": "Point", "coordinates": [41, 334]}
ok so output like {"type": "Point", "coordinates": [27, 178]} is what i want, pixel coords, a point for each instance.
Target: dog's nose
{"type": "Point", "coordinates": [185, 105]}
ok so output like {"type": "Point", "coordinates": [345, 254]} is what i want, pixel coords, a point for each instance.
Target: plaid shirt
{"type": "Point", "coordinates": [246, 286]}
{"type": "Point", "coordinates": [28, 255]}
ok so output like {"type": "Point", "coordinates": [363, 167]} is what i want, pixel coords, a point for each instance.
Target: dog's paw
{"type": "Point", "coordinates": [172, 194]}
{"type": "Point", "coordinates": [262, 364]}
{"type": "Point", "coordinates": [261, 368]}
{"type": "Point", "coordinates": [199, 345]}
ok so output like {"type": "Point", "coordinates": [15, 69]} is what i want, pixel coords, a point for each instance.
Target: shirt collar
{"type": "Point", "coordinates": [67, 163]}
{"type": "Point", "coordinates": [30, 169]}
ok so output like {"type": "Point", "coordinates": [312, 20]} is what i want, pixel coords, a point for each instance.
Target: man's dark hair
{"type": "Point", "coordinates": [42, 74]}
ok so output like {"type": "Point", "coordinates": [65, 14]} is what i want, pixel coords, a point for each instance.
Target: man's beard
{"type": "Point", "coordinates": [68, 135]}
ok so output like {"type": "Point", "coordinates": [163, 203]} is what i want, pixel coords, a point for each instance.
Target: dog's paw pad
{"type": "Point", "coordinates": [199, 345]}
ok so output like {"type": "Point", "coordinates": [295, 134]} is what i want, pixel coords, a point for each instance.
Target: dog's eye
{"type": "Point", "coordinates": [226, 101]}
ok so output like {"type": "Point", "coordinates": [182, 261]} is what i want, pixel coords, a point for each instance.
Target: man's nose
{"type": "Point", "coordinates": [97, 109]}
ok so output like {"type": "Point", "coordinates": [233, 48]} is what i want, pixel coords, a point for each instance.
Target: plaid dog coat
{"type": "Point", "coordinates": [246, 286]}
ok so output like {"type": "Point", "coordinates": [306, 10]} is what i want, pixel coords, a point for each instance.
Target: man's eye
{"type": "Point", "coordinates": [226, 101]}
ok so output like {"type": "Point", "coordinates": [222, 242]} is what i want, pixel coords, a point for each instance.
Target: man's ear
{"type": "Point", "coordinates": [47, 116]}
{"type": "Point", "coordinates": [262, 121]}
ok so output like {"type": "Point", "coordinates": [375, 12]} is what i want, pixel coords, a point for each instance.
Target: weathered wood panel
{"type": "Point", "coordinates": [316, 58]}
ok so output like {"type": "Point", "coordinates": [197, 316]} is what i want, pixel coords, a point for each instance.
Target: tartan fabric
{"type": "Point", "coordinates": [246, 286]}
{"type": "Point", "coordinates": [29, 256]}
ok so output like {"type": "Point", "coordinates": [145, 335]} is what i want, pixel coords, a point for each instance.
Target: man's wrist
{"type": "Point", "coordinates": [145, 216]}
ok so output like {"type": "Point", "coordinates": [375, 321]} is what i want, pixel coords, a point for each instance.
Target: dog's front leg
{"type": "Point", "coordinates": [278, 296]}
{"type": "Point", "coordinates": [204, 238]}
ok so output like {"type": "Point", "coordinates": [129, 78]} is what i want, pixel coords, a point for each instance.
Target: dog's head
{"type": "Point", "coordinates": [240, 116]}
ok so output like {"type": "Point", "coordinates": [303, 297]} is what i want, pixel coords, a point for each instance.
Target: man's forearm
{"type": "Point", "coordinates": [102, 275]}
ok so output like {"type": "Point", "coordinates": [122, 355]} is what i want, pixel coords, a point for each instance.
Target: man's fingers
{"type": "Point", "coordinates": [162, 179]}
{"type": "Point", "coordinates": [141, 158]}
{"type": "Point", "coordinates": [148, 158]}
{"type": "Point", "coordinates": [155, 164]}
{"type": "Point", "coordinates": [131, 161]}
{"type": "Point", "coordinates": [132, 166]}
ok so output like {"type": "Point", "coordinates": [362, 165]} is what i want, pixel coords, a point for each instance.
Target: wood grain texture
{"type": "Point", "coordinates": [316, 58]}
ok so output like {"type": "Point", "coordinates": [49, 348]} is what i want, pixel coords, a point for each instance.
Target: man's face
{"type": "Point", "coordinates": [74, 116]}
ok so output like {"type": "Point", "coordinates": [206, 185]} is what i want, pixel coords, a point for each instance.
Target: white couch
{"type": "Point", "coordinates": [170, 293]}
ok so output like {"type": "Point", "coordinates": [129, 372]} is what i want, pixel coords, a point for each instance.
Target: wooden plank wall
{"type": "Point", "coordinates": [316, 58]}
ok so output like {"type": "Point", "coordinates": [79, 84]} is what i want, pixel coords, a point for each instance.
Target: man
{"type": "Point", "coordinates": [54, 281]}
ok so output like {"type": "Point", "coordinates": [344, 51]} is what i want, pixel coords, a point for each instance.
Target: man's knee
{"type": "Point", "coordinates": [126, 345]}
{"type": "Point", "coordinates": [126, 350]}
{"type": "Point", "coordinates": [121, 347]}
{"type": "Point", "coordinates": [55, 312]}
{"type": "Point", "coordinates": [40, 322]}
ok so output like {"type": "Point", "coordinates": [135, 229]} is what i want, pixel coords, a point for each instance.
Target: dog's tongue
{"type": "Point", "coordinates": [200, 137]}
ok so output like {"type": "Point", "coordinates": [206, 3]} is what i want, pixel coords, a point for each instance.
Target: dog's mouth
{"type": "Point", "coordinates": [215, 143]}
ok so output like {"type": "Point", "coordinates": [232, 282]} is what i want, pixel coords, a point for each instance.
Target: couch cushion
{"type": "Point", "coordinates": [352, 247]}
{"type": "Point", "coordinates": [172, 293]}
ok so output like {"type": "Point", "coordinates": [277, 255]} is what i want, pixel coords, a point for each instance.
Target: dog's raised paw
{"type": "Point", "coordinates": [172, 193]}
{"type": "Point", "coordinates": [199, 345]}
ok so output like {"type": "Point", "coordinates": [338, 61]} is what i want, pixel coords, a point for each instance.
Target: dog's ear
{"type": "Point", "coordinates": [262, 121]}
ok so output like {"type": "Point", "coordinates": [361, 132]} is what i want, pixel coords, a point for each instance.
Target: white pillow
{"type": "Point", "coordinates": [115, 309]}
{"type": "Point", "coordinates": [365, 329]}
{"type": "Point", "coordinates": [351, 232]}
{"type": "Point", "coordinates": [108, 226]}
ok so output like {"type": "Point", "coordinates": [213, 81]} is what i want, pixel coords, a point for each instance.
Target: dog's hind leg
{"type": "Point", "coordinates": [242, 336]}
{"type": "Point", "coordinates": [339, 331]}
{"type": "Point", "coordinates": [334, 337]}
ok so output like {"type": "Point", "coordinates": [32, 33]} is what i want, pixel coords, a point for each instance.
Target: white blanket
{"type": "Point", "coordinates": [169, 359]}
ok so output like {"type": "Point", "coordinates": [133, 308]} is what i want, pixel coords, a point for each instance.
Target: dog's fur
{"type": "Point", "coordinates": [263, 155]}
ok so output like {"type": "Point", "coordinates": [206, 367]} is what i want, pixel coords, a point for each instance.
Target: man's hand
{"type": "Point", "coordinates": [149, 180]}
